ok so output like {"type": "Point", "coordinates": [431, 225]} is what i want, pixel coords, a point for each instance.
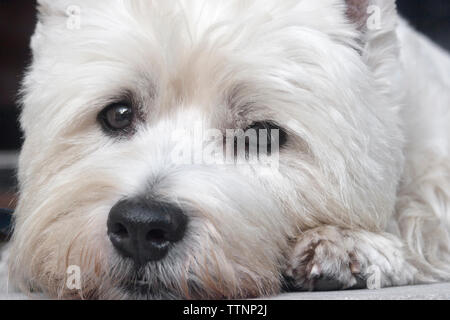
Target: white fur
{"type": "Point", "coordinates": [367, 113]}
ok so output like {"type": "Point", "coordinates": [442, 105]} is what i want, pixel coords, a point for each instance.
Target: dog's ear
{"type": "Point", "coordinates": [357, 12]}
{"type": "Point", "coordinates": [376, 23]}
{"type": "Point", "coordinates": [43, 8]}
{"type": "Point", "coordinates": [49, 13]}
{"type": "Point", "coordinates": [47, 8]}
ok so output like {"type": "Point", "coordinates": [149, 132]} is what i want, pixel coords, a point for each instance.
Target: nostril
{"type": "Point", "coordinates": [120, 230]}
{"type": "Point", "coordinates": [156, 236]}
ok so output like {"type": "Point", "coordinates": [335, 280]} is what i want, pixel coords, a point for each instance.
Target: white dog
{"type": "Point", "coordinates": [359, 101]}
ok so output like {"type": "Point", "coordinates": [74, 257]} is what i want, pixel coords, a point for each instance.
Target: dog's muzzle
{"type": "Point", "coordinates": [145, 230]}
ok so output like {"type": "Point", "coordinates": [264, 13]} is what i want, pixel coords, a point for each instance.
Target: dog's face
{"type": "Point", "coordinates": [105, 101]}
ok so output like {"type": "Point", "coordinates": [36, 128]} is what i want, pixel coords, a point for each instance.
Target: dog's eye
{"type": "Point", "coordinates": [269, 126]}
{"type": "Point", "coordinates": [260, 139]}
{"type": "Point", "coordinates": [117, 118]}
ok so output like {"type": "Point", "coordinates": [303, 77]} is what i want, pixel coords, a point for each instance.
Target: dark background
{"type": "Point", "coordinates": [17, 19]}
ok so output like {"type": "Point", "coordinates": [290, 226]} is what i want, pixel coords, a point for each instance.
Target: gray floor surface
{"type": "Point", "coordinates": [439, 291]}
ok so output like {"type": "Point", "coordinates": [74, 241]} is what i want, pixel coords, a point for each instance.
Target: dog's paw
{"type": "Point", "coordinates": [324, 259]}
{"type": "Point", "coordinates": [330, 258]}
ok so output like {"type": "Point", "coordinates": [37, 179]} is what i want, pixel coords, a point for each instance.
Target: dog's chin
{"type": "Point", "coordinates": [133, 284]}
{"type": "Point", "coordinates": [143, 290]}
{"type": "Point", "coordinates": [154, 282]}
{"type": "Point", "coordinates": [138, 288]}
{"type": "Point", "coordinates": [150, 283]}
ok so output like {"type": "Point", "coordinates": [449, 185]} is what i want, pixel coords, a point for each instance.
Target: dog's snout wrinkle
{"type": "Point", "coordinates": [145, 230]}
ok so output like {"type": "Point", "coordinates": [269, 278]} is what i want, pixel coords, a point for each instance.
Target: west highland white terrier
{"type": "Point", "coordinates": [336, 116]}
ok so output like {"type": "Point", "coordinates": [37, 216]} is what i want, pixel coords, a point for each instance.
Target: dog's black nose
{"type": "Point", "coordinates": [145, 230]}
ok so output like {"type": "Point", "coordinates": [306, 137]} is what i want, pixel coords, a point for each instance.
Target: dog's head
{"type": "Point", "coordinates": [117, 90]}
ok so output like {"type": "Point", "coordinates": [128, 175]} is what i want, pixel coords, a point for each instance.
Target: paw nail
{"type": "Point", "coordinates": [355, 267]}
